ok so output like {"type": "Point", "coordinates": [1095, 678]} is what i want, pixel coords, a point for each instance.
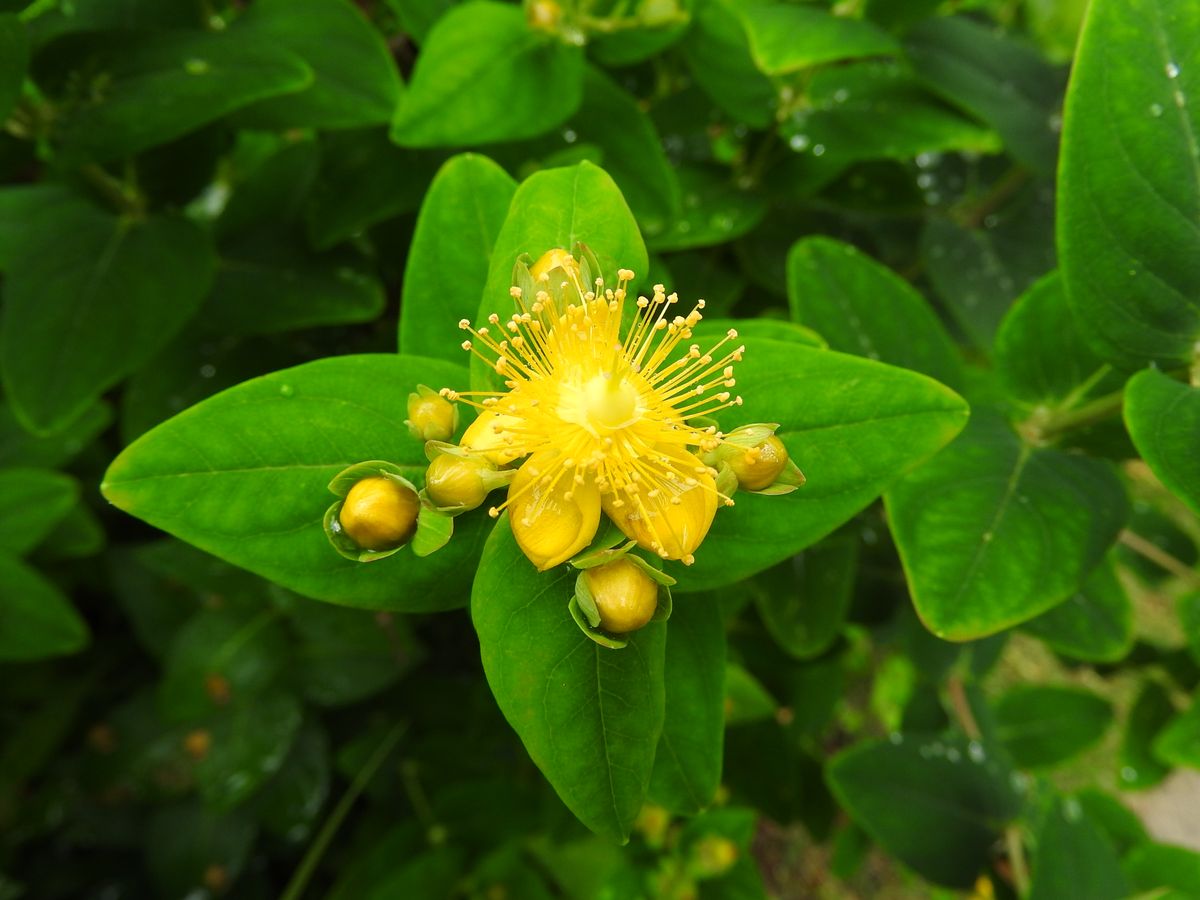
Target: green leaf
{"type": "Point", "coordinates": [746, 700]}
{"type": "Point", "coordinates": [1075, 859]}
{"type": "Point", "coordinates": [1163, 418]}
{"type": "Point", "coordinates": [32, 502]}
{"type": "Point", "coordinates": [938, 806]}
{"type": "Point", "coordinates": [717, 53]}
{"type": "Point", "coordinates": [46, 24]}
{"type": "Point", "coordinates": [443, 280]}
{"type": "Point", "coordinates": [250, 741]}
{"type": "Point", "coordinates": [803, 602]}
{"type": "Point", "coordinates": [862, 307]}
{"type": "Point", "coordinates": [356, 81]}
{"type": "Point", "coordinates": [1004, 82]}
{"type": "Point", "coordinates": [432, 873]}
{"type": "Point", "coordinates": [243, 476]}
{"type": "Point", "coordinates": [183, 841]}
{"type": "Point", "coordinates": [1094, 624]}
{"type": "Point", "coordinates": [157, 87]}
{"type": "Point", "coordinates": [589, 716]}
{"type": "Point", "coordinates": [558, 208]}
{"type": "Point", "coordinates": [417, 17]}
{"type": "Point", "coordinates": [852, 425]}
{"type": "Point", "coordinates": [1043, 725]}
{"type": "Point", "coordinates": [269, 181]}
{"type": "Point", "coordinates": [1188, 608]}
{"type": "Point", "coordinates": [14, 57]}
{"type": "Point", "coordinates": [786, 38]}
{"type": "Point", "coordinates": [36, 620]}
{"type": "Point", "coordinates": [20, 448]}
{"type": "Point", "coordinates": [877, 110]}
{"type": "Point", "coordinates": [1120, 824]}
{"type": "Point", "coordinates": [1179, 743]}
{"type": "Point", "coordinates": [88, 299]}
{"type": "Point", "coordinates": [714, 210]}
{"type": "Point", "coordinates": [288, 804]}
{"type": "Point", "coordinates": [1151, 711]}
{"type": "Point", "coordinates": [484, 76]}
{"type": "Point", "coordinates": [993, 532]}
{"type": "Point", "coordinates": [1129, 210]}
{"type": "Point", "coordinates": [1151, 867]}
{"type": "Point", "coordinates": [687, 766]}
{"type": "Point", "coordinates": [1041, 357]}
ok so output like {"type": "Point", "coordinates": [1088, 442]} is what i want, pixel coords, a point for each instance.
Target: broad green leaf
{"type": "Point", "coordinates": [269, 181]}
{"type": "Point", "coordinates": [1152, 710]}
{"type": "Point", "coordinates": [288, 804]}
{"type": "Point", "coordinates": [786, 38]}
{"type": "Point", "coordinates": [483, 75]}
{"type": "Point", "coordinates": [978, 268]}
{"type": "Point", "coordinates": [1075, 860]}
{"type": "Point", "coordinates": [656, 26]}
{"type": "Point", "coordinates": [431, 873]}
{"type": "Point", "coordinates": [1129, 200]}
{"type": "Point", "coordinates": [32, 502]}
{"type": "Point", "coordinates": [1040, 355]}
{"type": "Point", "coordinates": [250, 741]}
{"type": "Point", "coordinates": [938, 806]}
{"type": "Point", "coordinates": [443, 279]}
{"type": "Point", "coordinates": [803, 602]}
{"type": "Point", "coordinates": [183, 841]}
{"type": "Point", "coordinates": [687, 766]}
{"type": "Point", "coordinates": [417, 17]}
{"type": "Point", "coordinates": [20, 448]}
{"type": "Point", "coordinates": [589, 716]}
{"type": "Point", "coordinates": [993, 532]}
{"type": "Point", "coordinates": [244, 476]}
{"type": "Point", "coordinates": [746, 700]}
{"type": "Point", "coordinates": [714, 210]}
{"type": "Point", "coordinates": [161, 86]}
{"type": "Point", "coordinates": [1004, 82]}
{"type": "Point", "coordinates": [356, 82]}
{"type": "Point", "coordinates": [717, 53]}
{"type": "Point", "coordinates": [1094, 624]}
{"type": "Point", "coordinates": [78, 534]}
{"type": "Point", "coordinates": [862, 307]}
{"type": "Point", "coordinates": [877, 110]}
{"type": "Point", "coordinates": [14, 57]}
{"type": "Point", "coordinates": [36, 620]}
{"type": "Point", "coordinates": [1043, 725]}
{"type": "Point", "coordinates": [1179, 743]}
{"type": "Point", "coordinates": [852, 425]}
{"type": "Point", "coordinates": [45, 24]}
{"type": "Point", "coordinates": [1163, 418]}
{"type": "Point", "coordinates": [559, 208]}
{"type": "Point", "coordinates": [1119, 823]}
{"type": "Point", "coordinates": [345, 203]}
{"type": "Point", "coordinates": [1151, 867]}
{"type": "Point", "coordinates": [88, 299]}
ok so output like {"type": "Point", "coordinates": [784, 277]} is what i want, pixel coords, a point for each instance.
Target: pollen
{"type": "Point", "coordinates": [611, 415]}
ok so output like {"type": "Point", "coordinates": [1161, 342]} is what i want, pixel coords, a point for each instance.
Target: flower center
{"type": "Point", "coordinates": [602, 404]}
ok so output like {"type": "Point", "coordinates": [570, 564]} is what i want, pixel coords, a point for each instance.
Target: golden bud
{"type": "Point", "coordinates": [431, 417]}
{"type": "Point", "coordinates": [758, 467]}
{"type": "Point", "coordinates": [713, 855]}
{"type": "Point", "coordinates": [457, 480]}
{"type": "Point", "coordinates": [556, 260]}
{"type": "Point", "coordinates": [625, 596]}
{"type": "Point", "coordinates": [544, 15]}
{"type": "Point", "coordinates": [379, 513]}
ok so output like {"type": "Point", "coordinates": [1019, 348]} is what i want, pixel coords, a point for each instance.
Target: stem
{"type": "Point", "coordinates": [118, 194]}
{"type": "Point", "coordinates": [1159, 557]}
{"type": "Point", "coordinates": [1016, 858]}
{"type": "Point", "coordinates": [316, 850]}
{"type": "Point", "coordinates": [962, 707]}
{"type": "Point", "coordinates": [1054, 424]}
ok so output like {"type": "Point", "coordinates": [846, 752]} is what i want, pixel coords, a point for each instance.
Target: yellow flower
{"type": "Point", "coordinates": [605, 421]}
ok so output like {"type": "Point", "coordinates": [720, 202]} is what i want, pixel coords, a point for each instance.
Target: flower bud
{"type": "Point", "coordinates": [758, 467]}
{"type": "Point", "coordinates": [431, 417]}
{"type": "Point", "coordinates": [713, 855]}
{"type": "Point", "coordinates": [625, 596]}
{"type": "Point", "coordinates": [458, 480]}
{"type": "Point", "coordinates": [543, 15]}
{"type": "Point", "coordinates": [556, 260]}
{"type": "Point", "coordinates": [379, 513]}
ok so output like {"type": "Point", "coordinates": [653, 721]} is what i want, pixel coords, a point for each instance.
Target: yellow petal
{"type": "Point", "coordinates": [482, 435]}
{"type": "Point", "coordinates": [549, 526]}
{"type": "Point", "coordinates": [672, 530]}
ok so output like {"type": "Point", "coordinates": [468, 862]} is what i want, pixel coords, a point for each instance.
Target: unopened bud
{"type": "Point", "coordinates": [555, 261]}
{"type": "Point", "coordinates": [431, 417]}
{"type": "Point", "coordinates": [713, 855]}
{"type": "Point", "coordinates": [625, 596]}
{"type": "Point", "coordinates": [758, 467]}
{"type": "Point", "coordinates": [458, 480]}
{"type": "Point", "coordinates": [543, 15]}
{"type": "Point", "coordinates": [379, 513]}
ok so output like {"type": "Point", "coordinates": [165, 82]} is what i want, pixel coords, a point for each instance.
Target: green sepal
{"type": "Point", "coordinates": [750, 436]}
{"type": "Point", "coordinates": [788, 480]}
{"type": "Point", "coordinates": [434, 530]}
{"type": "Point", "coordinates": [585, 602]}
{"type": "Point", "coordinates": [600, 550]}
{"type": "Point", "coordinates": [434, 449]}
{"type": "Point", "coordinates": [589, 265]}
{"type": "Point", "coordinates": [341, 484]}
{"type": "Point", "coordinates": [657, 575]}
{"type": "Point", "coordinates": [344, 544]}
{"type": "Point", "coordinates": [522, 278]}
{"type": "Point", "coordinates": [603, 638]}
{"type": "Point", "coordinates": [582, 604]}
{"type": "Point", "coordinates": [347, 478]}
{"type": "Point", "coordinates": [727, 480]}
{"type": "Point", "coordinates": [456, 510]}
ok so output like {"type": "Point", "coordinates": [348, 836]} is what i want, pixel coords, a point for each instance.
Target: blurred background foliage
{"type": "Point", "coordinates": [197, 192]}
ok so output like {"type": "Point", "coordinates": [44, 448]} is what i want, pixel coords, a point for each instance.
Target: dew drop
{"type": "Point", "coordinates": [1128, 773]}
{"type": "Point", "coordinates": [1071, 810]}
{"type": "Point", "coordinates": [924, 181]}
{"type": "Point", "coordinates": [1156, 109]}
{"type": "Point", "coordinates": [208, 370]}
{"type": "Point", "coordinates": [841, 95]}
{"type": "Point", "coordinates": [569, 135]}
{"type": "Point", "coordinates": [953, 755]}
{"type": "Point", "coordinates": [1172, 70]}
{"type": "Point", "coordinates": [286, 390]}
{"type": "Point", "coordinates": [195, 66]}
{"type": "Point", "coordinates": [683, 226]}
{"type": "Point", "coordinates": [976, 752]}
{"type": "Point", "coordinates": [895, 737]}
{"type": "Point", "coordinates": [818, 150]}
{"type": "Point", "coordinates": [798, 142]}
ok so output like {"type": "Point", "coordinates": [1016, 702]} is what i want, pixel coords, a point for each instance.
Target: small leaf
{"type": "Point", "coordinates": [1179, 743]}
{"type": "Point", "coordinates": [1163, 418]}
{"type": "Point", "coordinates": [484, 76]}
{"type": "Point", "coordinates": [20, 448]}
{"type": "Point", "coordinates": [32, 502]}
{"type": "Point", "coordinates": [185, 840]}
{"type": "Point", "coordinates": [249, 743]}
{"type": "Point", "coordinates": [803, 602]}
{"type": "Point", "coordinates": [714, 211]}
{"type": "Point", "coordinates": [290, 802]}
{"type": "Point", "coordinates": [1151, 711]}
{"type": "Point", "coordinates": [1075, 859]}
{"type": "Point", "coordinates": [717, 53]}
{"type": "Point", "coordinates": [36, 620]}
{"type": "Point", "coordinates": [786, 38]}
{"type": "Point", "coordinates": [589, 716]}
{"type": "Point", "coordinates": [1042, 725]}
{"type": "Point", "coordinates": [1152, 867]}
{"type": "Point", "coordinates": [1094, 624]}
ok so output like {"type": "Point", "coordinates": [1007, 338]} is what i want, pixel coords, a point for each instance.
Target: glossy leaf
{"type": "Point", "coordinates": [36, 620]}
{"type": "Point", "coordinates": [852, 425]}
{"type": "Point", "coordinates": [1151, 867]}
{"type": "Point", "coordinates": [1151, 711]}
{"type": "Point", "coordinates": [1042, 725]}
{"type": "Point", "coordinates": [1075, 860]}
{"type": "Point", "coordinates": [714, 210]}
{"type": "Point", "coordinates": [937, 806]}
{"type": "Point", "coordinates": [249, 743]}
{"type": "Point", "coordinates": [861, 307]}
{"type": "Point", "coordinates": [32, 502]}
{"type": "Point", "coordinates": [804, 601]}
{"type": "Point", "coordinates": [291, 800]}
{"type": "Point", "coordinates": [355, 79]}
{"type": "Point", "coordinates": [590, 717]}
{"type": "Point", "coordinates": [20, 448]}
{"type": "Point", "coordinates": [14, 57]}
{"type": "Point", "coordinates": [89, 297]}
{"type": "Point", "coordinates": [687, 766]}
{"type": "Point", "coordinates": [718, 56]}
{"type": "Point", "coordinates": [483, 76]}
{"type": "Point", "coordinates": [1163, 418]}
{"type": "Point", "coordinates": [1179, 743]}
{"type": "Point", "coordinates": [993, 532]}
{"type": "Point", "coordinates": [1094, 624]}
{"type": "Point", "coordinates": [1129, 201]}
{"type": "Point", "coordinates": [443, 280]}
{"type": "Point", "coordinates": [270, 447]}
{"type": "Point", "coordinates": [785, 38]}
